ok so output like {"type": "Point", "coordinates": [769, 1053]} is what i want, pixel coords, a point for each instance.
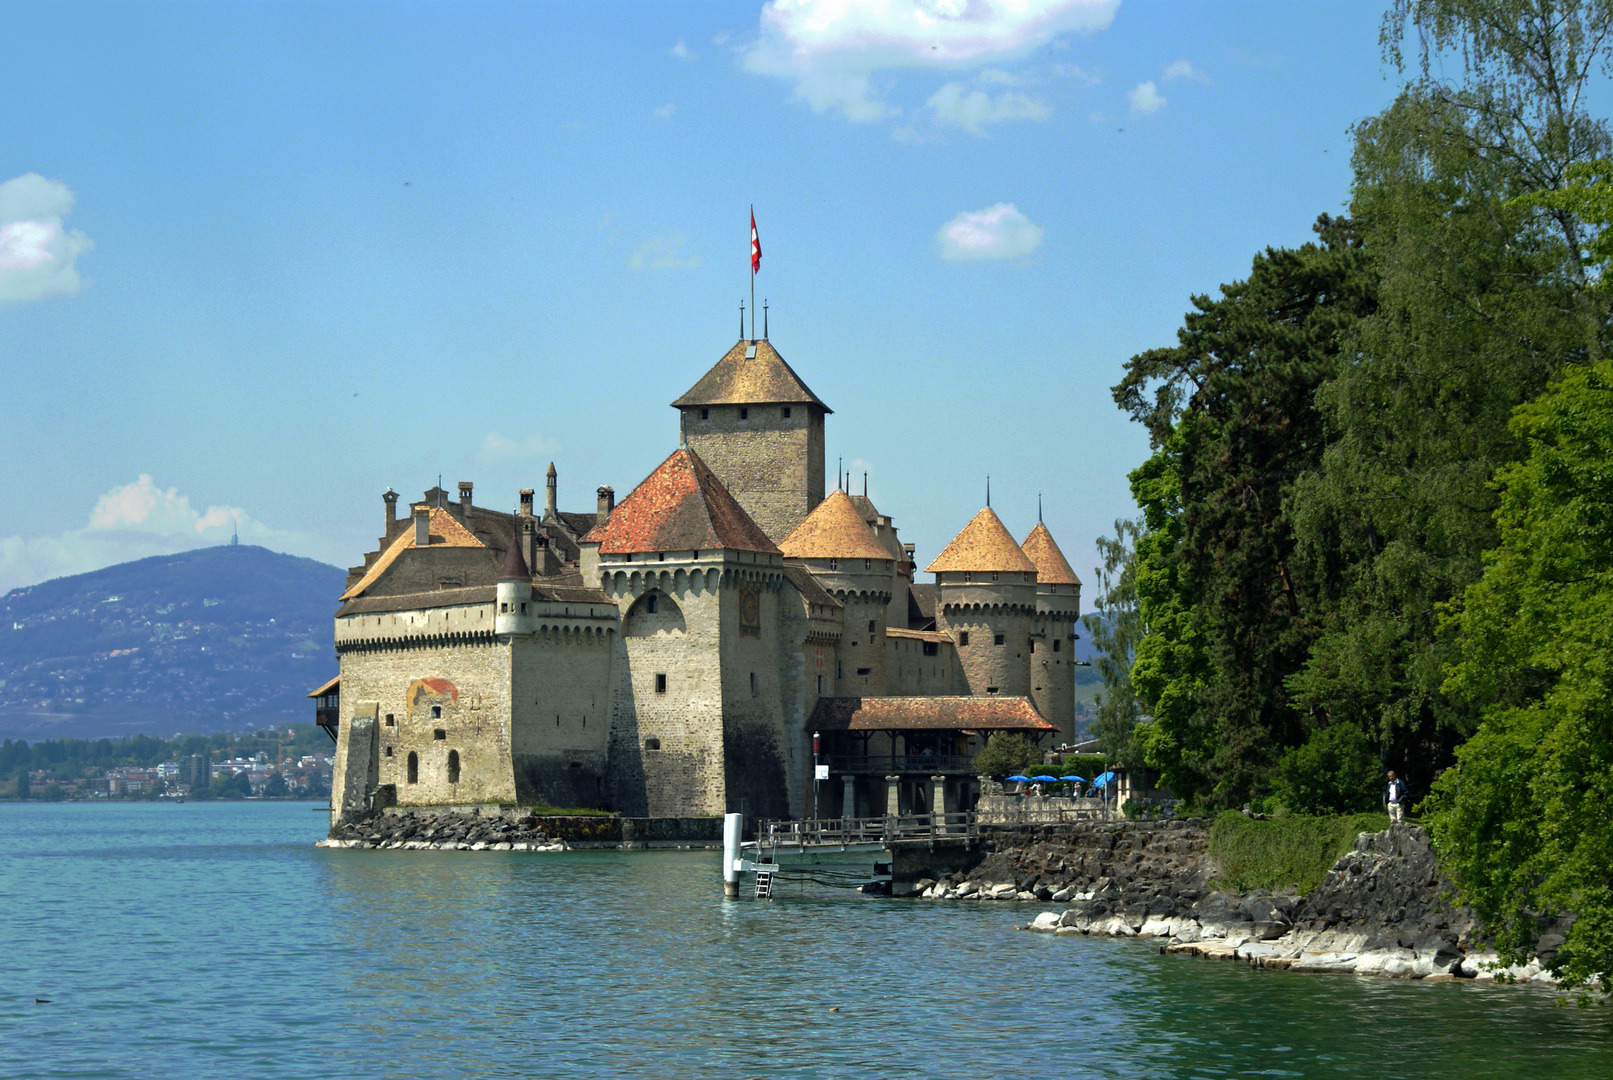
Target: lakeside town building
{"type": "Point", "coordinates": [730, 637]}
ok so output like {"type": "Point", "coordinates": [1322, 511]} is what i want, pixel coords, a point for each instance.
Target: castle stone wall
{"type": "Point", "coordinates": [909, 673]}
{"type": "Point", "coordinates": [984, 612]}
{"type": "Point", "coordinates": [461, 689]}
{"type": "Point", "coordinates": [771, 464]}
{"type": "Point", "coordinates": [1053, 656]}
{"type": "Point", "coordinates": [560, 732]}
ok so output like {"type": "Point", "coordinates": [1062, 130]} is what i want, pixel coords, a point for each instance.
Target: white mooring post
{"type": "Point", "coordinates": [733, 827]}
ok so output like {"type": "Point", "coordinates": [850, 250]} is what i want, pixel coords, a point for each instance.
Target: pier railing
{"type": "Point", "coordinates": [837, 832]}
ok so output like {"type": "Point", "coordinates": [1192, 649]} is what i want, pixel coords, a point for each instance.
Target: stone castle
{"type": "Point", "coordinates": [727, 638]}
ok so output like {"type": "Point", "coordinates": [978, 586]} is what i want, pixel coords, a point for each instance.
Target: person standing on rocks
{"type": "Point", "coordinates": [1394, 796]}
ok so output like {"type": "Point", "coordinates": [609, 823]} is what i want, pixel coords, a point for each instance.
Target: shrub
{"type": "Point", "coordinates": [1006, 753]}
{"type": "Point", "coordinates": [1290, 853]}
{"type": "Point", "coordinates": [1337, 771]}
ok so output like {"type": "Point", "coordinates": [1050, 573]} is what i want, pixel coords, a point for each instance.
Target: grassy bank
{"type": "Point", "coordinates": [1287, 854]}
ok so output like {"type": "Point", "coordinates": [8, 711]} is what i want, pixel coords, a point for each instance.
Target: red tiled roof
{"type": "Point", "coordinates": [950, 713]}
{"type": "Point", "coordinates": [984, 544]}
{"type": "Point", "coordinates": [737, 379]}
{"type": "Point", "coordinates": [443, 530]}
{"type": "Point", "coordinates": [1052, 568]}
{"type": "Point", "coordinates": [681, 506]}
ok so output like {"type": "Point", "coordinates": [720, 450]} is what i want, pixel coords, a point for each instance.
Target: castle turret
{"type": "Point", "coordinates": [845, 557]}
{"type": "Point", "coordinates": [551, 506]}
{"type": "Point", "coordinates": [1058, 606]}
{"type": "Point", "coordinates": [514, 592]}
{"type": "Point", "coordinates": [755, 423]}
{"type": "Point", "coordinates": [986, 602]}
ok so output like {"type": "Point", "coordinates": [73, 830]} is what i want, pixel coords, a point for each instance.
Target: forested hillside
{"type": "Point", "coordinates": [1375, 531]}
{"type": "Point", "coordinates": [217, 639]}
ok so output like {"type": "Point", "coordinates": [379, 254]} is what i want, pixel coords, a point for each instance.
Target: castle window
{"type": "Point", "coordinates": [660, 682]}
{"type": "Point", "coordinates": [871, 625]}
{"type": "Point", "coordinates": [705, 414]}
{"type": "Point", "coordinates": [523, 609]}
{"type": "Point", "coordinates": [453, 766]}
{"type": "Point", "coordinates": [744, 414]}
{"type": "Point", "coordinates": [868, 564]}
{"type": "Point", "coordinates": [1055, 644]}
{"type": "Point", "coordinates": [963, 638]}
{"type": "Point", "coordinates": [786, 412]}
{"type": "Point", "coordinates": [820, 685]}
{"type": "Point", "coordinates": [414, 767]}
{"type": "Point", "coordinates": [436, 712]}
{"type": "Point", "coordinates": [991, 689]}
{"type": "Point", "coordinates": [753, 684]}
{"type": "Point", "coordinates": [504, 608]}
{"type": "Point", "coordinates": [651, 604]}
{"type": "Point", "coordinates": [1028, 576]}
{"type": "Point", "coordinates": [931, 648]}
{"type": "Point", "coordinates": [389, 721]}
{"type": "Point", "coordinates": [864, 671]}
{"type": "Point", "coordinates": [834, 564]}
{"type": "Point", "coordinates": [1033, 646]}
{"type": "Point", "coordinates": [840, 670]}
{"type": "Point", "coordinates": [389, 751]}
{"type": "Point", "coordinates": [652, 744]}
{"type": "Point", "coordinates": [994, 575]}
{"type": "Point", "coordinates": [967, 577]}
{"type": "Point", "coordinates": [439, 734]}
{"type": "Point", "coordinates": [661, 556]}
{"type": "Point", "coordinates": [998, 640]}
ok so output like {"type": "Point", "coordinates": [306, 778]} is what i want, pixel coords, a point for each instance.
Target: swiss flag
{"type": "Point", "coordinates": [755, 246]}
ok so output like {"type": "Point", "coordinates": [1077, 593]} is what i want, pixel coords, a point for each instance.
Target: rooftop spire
{"type": "Point", "coordinates": [988, 491]}
{"type": "Point", "coordinates": [764, 318]}
{"type": "Point", "coordinates": [1038, 507]}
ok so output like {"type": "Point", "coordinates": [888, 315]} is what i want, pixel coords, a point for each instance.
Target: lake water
{"type": "Point", "coordinates": [213, 940]}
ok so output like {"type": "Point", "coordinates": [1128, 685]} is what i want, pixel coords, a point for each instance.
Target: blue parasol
{"type": "Point", "coordinates": [1103, 780]}
{"type": "Point", "coordinates": [1024, 779]}
{"type": "Point", "coordinates": [1073, 779]}
{"type": "Point", "coordinates": [1045, 779]}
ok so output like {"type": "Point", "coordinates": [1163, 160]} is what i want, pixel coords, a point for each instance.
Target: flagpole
{"type": "Point", "coordinates": [752, 260]}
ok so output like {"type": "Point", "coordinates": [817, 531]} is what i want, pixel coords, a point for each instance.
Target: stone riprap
{"type": "Point", "coordinates": [446, 831]}
{"type": "Point", "coordinates": [1384, 908]}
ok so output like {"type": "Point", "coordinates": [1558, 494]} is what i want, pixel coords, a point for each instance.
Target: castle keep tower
{"type": "Point", "coordinates": [755, 423]}
{"type": "Point", "coordinates": [986, 602]}
{"type": "Point", "coordinates": [842, 554]}
{"type": "Point", "coordinates": [1058, 605]}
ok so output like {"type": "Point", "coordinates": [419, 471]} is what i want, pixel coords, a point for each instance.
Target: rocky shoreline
{"type": "Point", "coordinates": [444, 831]}
{"type": "Point", "coordinates": [1383, 909]}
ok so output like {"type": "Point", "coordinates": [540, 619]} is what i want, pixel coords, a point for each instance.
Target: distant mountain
{"type": "Point", "coordinates": [216, 639]}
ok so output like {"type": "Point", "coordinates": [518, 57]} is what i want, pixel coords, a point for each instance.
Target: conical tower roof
{"type": "Point", "coordinates": [515, 568]}
{"type": "Point", "coordinates": [751, 373]}
{"type": "Point", "coordinates": [983, 545]}
{"type": "Point", "coordinates": [681, 506]}
{"type": "Point", "coordinates": [834, 530]}
{"type": "Point", "coordinates": [1052, 568]}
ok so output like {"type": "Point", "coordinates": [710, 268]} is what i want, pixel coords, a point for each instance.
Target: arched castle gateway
{"type": "Point", "coordinates": [674, 655]}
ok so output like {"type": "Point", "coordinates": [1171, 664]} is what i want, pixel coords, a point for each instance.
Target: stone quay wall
{"type": "Point", "coordinates": [515, 828]}
{"type": "Point", "coordinates": [1383, 909]}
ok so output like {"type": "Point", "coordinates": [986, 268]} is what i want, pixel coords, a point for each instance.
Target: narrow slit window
{"type": "Point", "coordinates": [414, 767]}
{"type": "Point", "coordinates": [453, 766]}
{"type": "Point", "coordinates": [660, 682]}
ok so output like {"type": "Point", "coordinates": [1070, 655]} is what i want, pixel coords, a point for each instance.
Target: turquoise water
{"type": "Point", "coordinates": [209, 939]}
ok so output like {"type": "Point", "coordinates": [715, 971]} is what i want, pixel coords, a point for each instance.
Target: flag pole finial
{"type": "Point", "coordinates": [1038, 508]}
{"type": "Point", "coordinates": [764, 318]}
{"type": "Point", "coordinates": [988, 491]}
{"type": "Point", "coordinates": [742, 318]}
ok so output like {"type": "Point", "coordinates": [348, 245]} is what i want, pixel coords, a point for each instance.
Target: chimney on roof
{"type": "Point", "coordinates": [551, 507]}
{"type": "Point", "coordinates": [464, 496]}
{"type": "Point", "coordinates": [529, 527]}
{"type": "Point", "coordinates": [391, 499]}
{"type": "Point", "coordinates": [545, 562]}
{"type": "Point", "coordinates": [526, 503]}
{"type": "Point", "coordinates": [607, 503]}
{"type": "Point", "coordinates": [422, 526]}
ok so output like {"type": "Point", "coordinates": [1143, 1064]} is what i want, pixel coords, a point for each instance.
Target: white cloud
{"type": "Point", "coordinates": [38, 257]}
{"type": "Point", "coordinates": [997, 232]}
{"type": "Point", "coordinates": [957, 106]}
{"type": "Point", "coordinates": [663, 253]}
{"type": "Point", "coordinates": [665, 112]}
{"type": "Point", "coordinates": [132, 521]}
{"type": "Point", "coordinates": [497, 448]}
{"type": "Point", "coordinates": [832, 49]}
{"type": "Point", "coordinates": [1145, 98]}
{"type": "Point", "coordinates": [681, 51]}
{"type": "Point", "coordinates": [1184, 69]}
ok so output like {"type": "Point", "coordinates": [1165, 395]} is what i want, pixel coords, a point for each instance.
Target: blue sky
{"type": "Point", "coordinates": [258, 262]}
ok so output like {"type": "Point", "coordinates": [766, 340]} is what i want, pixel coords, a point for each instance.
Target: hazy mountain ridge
{"type": "Point", "coordinates": [213, 639]}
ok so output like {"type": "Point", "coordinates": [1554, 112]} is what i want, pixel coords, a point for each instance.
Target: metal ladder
{"type": "Point", "coordinates": [764, 884]}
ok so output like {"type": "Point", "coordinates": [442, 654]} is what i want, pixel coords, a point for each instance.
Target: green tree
{"type": "Point", "coordinates": [1005, 754]}
{"type": "Point", "coordinates": [1522, 820]}
{"type": "Point", "coordinates": [1336, 771]}
{"type": "Point", "coordinates": [1232, 407]}
{"type": "Point", "coordinates": [22, 783]}
{"type": "Point", "coordinates": [231, 785]}
{"type": "Point", "coordinates": [277, 786]}
{"type": "Point", "coordinates": [1115, 627]}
